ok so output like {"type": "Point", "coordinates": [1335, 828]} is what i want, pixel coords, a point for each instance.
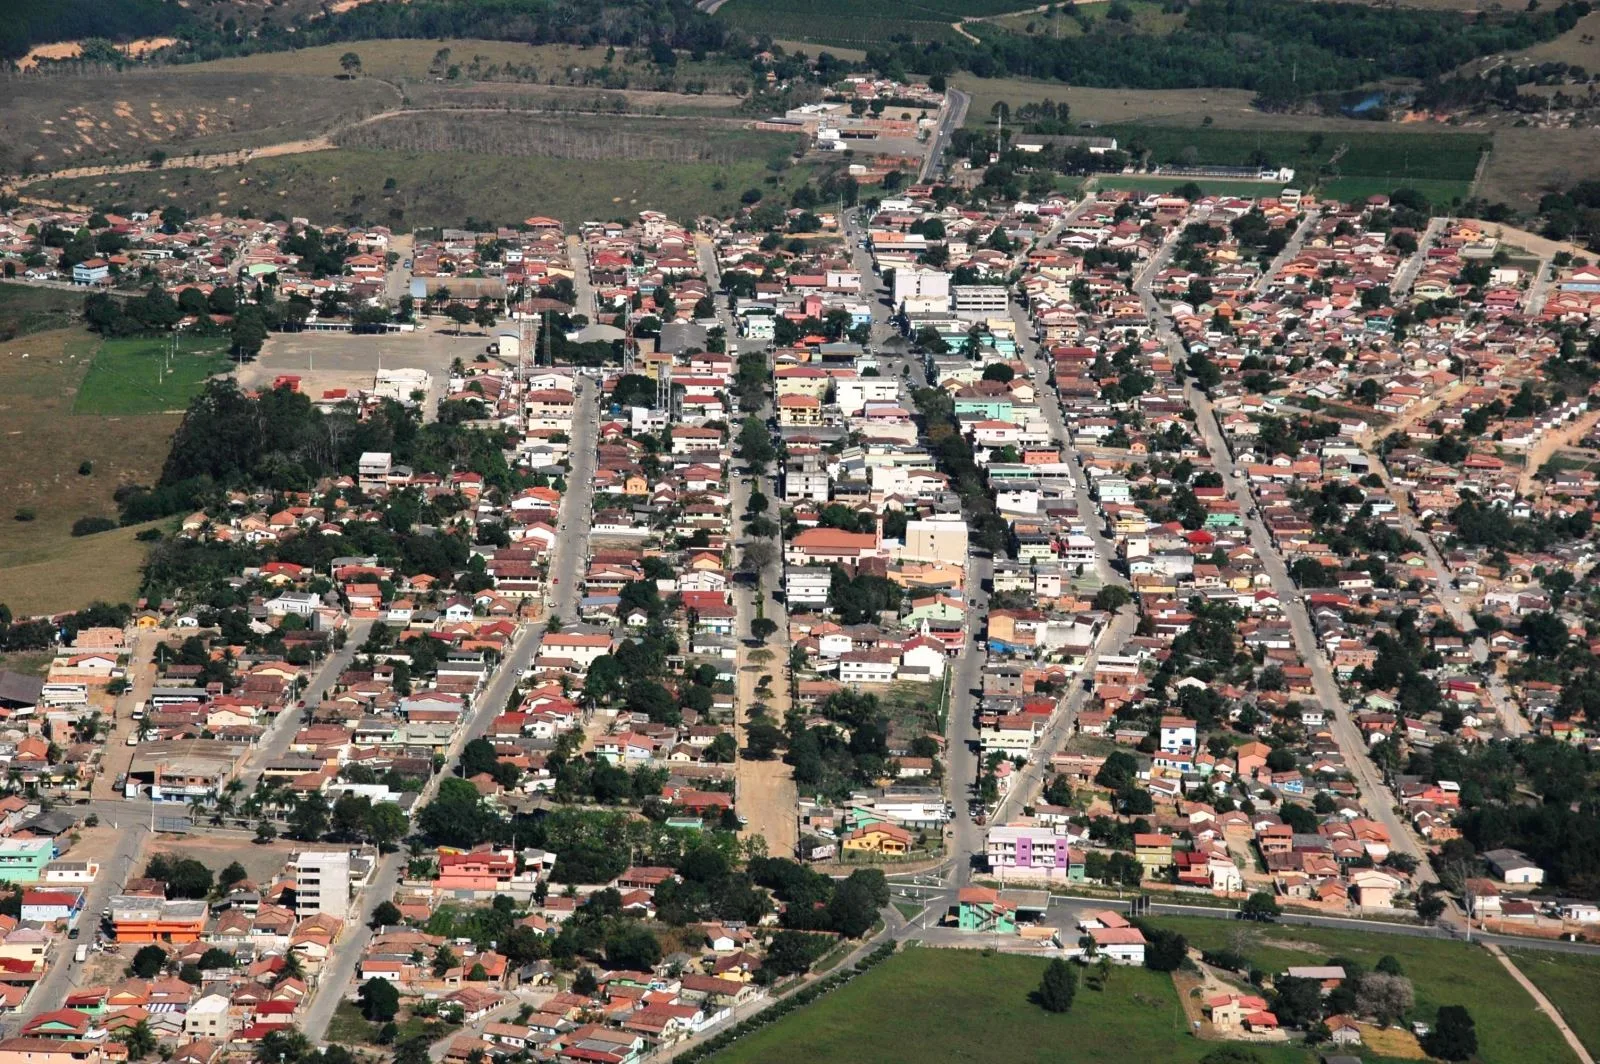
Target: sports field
{"type": "Point", "coordinates": [150, 375]}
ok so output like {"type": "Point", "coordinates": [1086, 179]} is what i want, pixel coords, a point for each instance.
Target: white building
{"type": "Point", "coordinates": [806, 586]}
{"type": "Point", "coordinates": [322, 882]}
{"type": "Point", "coordinates": [975, 302]}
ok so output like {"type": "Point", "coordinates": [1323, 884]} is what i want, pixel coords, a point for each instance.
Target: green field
{"type": "Point", "coordinates": [1353, 189]}
{"type": "Point", "coordinates": [1393, 156]}
{"type": "Point", "coordinates": [130, 375]}
{"type": "Point", "coordinates": [1208, 186]}
{"type": "Point", "coordinates": [440, 188]}
{"type": "Point", "coordinates": [25, 309]}
{"type": "Point", "coordinates": [1510, 1031]}
{"type": "Point", "coordinates": [926, 1006]}
{"type": "Point", "coordinates": [1571, 982]}
{"type": "Point", "coordinates": [852, 22]}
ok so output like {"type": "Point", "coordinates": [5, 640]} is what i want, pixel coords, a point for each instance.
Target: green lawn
{"type": "Point", "coordinates": [943, 1006]}
{"type": "Point", "coordinates": [130, 375]}
{"type": "Point", "coordinates": [1510, 1031]}
{"type": "Point", "coordinates": [1571, 981]}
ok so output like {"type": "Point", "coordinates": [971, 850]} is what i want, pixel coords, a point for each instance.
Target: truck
{"type": "Point", "coordinates": [82, 953]}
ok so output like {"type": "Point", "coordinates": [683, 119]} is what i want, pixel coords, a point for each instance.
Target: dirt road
{"type": "Point", "coordinates": [1549, 443]}
{"type": "Point", "coordinates": [1545, 1005]}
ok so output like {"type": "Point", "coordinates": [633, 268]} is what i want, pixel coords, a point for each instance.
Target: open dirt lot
{"type": "Point", "coordinates": [263, 863]}
{"type": "Point", "coordinates": [324, 361]}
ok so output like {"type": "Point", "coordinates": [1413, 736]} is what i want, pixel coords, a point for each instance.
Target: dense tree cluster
{"type": "Point", "coordinates": [1282, 50]}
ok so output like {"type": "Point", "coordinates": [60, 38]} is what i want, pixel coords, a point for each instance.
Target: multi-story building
{"type": "Point", "coordinates": [322, 882]}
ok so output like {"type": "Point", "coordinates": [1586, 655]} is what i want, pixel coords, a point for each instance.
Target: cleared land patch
{"type": "Point", "coordinates": [440, 188]}
{"type": "Point", "coordinates": [50, 122]}
{"type": "Point", "coordinates": [25, 309]}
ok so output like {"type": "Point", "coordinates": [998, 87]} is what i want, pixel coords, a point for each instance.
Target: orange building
{"type": "Point", "coordinates": [143, 920]}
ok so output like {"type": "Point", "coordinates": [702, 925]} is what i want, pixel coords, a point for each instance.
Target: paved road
{"type": "Point", "coordinates": [1406, 275]}
{"type": "Point", "coordinates": [571, 556]}
{"type": "Point", "coordinates": [955, 112]}
{"type": "Point", "coordinates": [1375, 795]}
{"type": "Point", "coordinates": [1307, 226]}
{"type": "Point", "coordinates": [1508, 712]}
{"type": "Point", "coordinates": [571, 550]}
{"type": "Point", "coordinates": [582, 287]}
{"type": "Point", "coordinates": [275, 743]}
{"type": "Point", "coordinates": [1539, 290]}
{"type": "Point", "coordinates": [61, 967]}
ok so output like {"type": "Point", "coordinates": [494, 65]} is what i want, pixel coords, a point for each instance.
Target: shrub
{"type": "Point", "coordinates": [85, 468]}
{"type": "Point", "coordinates": [24, 513]}
{"type": "Point", "coordinates": [88, 526]}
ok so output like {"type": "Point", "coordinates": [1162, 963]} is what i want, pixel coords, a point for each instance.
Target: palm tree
{"type": "Point", "coordinates": [140, 1040]}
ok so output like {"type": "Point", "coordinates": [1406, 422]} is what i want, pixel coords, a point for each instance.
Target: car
{"type": "Point", "coordinates": [407, 264]}
{"type": "Point", "coordinates": [73, 934]}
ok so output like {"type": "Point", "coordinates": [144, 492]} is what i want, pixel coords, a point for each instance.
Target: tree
{"type": "Point", "coordinates": [380, 1001]}
{"type": "Point", "coordinates": [233, 873]}
{"type": "Point", "coordinates": [443, 961]}
{"type": "Point", "coordinates": [459, 313]}
{"type": "Point", "coordinates": [215, 959]}
{"type": "Point", "coordinates": [1260, 904]}
{"type": "Point", "coordinates": [140, 1040]}
{"type": "Point", "coordinates": [308, 821]}
{"type": "Point", "coordinates": [1164, 950]}
{"type": "Point", "coordinates": [763, 628]}
{"type": "Point", "coordinates": [148, 962]}
{"type": "Point", "coordinates": [188, 878]}
{"type": "Point", "coordinates": [585, 983]}
{"type": "Point", "coordinates": [386, 824]}
{"type": "Point", "coordinates": [790, 953]}
{"type": "Point", "coordinates": [1058, 987]}
{"type": "Point", "coordinates": [385, 914]}
{"type": "Point", "coordinates": [1386, 998]}
{"type": "Point", "coordinates": [1454, 1035]}
{"type": "Point", "coordinates": [633, 948]}
{"type": "Point", "coordinates": [350, 63]}
{"type": "Point", "coordinates": [1298, 1002]}
{"type": "Point", "coordinates": [1112, 597]}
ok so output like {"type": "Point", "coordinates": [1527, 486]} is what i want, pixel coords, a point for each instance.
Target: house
{"type": "Point", "coordinates": [49, 906]}
{"type": "Point", "coordinates": [1514, 867]}
{"type": "Point", "coordinates": [1154, 851]}
{"type": "Point", "coordinates": [49, 1051]}
{"type": "Point", "coordinates": [1123, 945]}
{"type": "Point", "coordinates": [887, 839]}
{"type": "Point", "coordinates": [982, 909]}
